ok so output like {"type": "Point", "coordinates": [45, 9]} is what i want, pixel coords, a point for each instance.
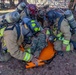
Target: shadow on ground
{"type": "Point", "coordinates": [61, 65]}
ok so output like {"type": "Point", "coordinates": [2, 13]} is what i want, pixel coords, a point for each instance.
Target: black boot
{"type": "Point", "coordinates": [4, 56]}
{"type": "Point", "coordinates": [60, 53]}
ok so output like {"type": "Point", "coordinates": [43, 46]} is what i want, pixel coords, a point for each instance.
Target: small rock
{"type": "Point", "coordinates": [0, 72]}
{"type": "Point", "coordinates": [1, 66]}
{"type": "Point", "coordinates": [67, 63]}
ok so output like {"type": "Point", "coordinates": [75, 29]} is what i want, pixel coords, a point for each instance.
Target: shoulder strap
{"type": "Point", "coordinates": [59, 22]}
{"type": "Point", "coordinates": [10, 28]}
{"type": "Point", "coordinates": [17, 29]}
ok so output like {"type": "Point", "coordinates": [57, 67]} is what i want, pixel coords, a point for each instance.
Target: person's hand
{"type": "Point", "coordinates": [47, 38]}
{"type": "Point", "coordinates": [72, 8]}
{"type": "Point", "coordinates": [64, 47]}
{"type": "Point", "coordinates": [35, 60]}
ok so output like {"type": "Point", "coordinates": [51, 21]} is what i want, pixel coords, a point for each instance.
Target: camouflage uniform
{"type": "Point", "coordinates": [38, 43]}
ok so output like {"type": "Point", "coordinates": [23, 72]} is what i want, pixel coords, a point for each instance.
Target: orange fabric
{"type": "Point", "coordinates": [31, 64]}
{"type": "Point", "coordinates": [48, 52]}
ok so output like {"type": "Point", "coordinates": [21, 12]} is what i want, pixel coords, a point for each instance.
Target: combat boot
{"type": "Point", "coordinates": [4, 56]}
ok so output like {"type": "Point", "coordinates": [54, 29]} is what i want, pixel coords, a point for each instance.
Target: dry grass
{"type": "Point", "coordinates": [5, 11]}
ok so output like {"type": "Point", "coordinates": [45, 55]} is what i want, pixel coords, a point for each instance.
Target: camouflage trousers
{"type": "Point", "coordinates": [38, 43]}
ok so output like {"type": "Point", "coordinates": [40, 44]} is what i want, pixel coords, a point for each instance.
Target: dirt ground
{"type": "Point", "coordinates": [61, 65]}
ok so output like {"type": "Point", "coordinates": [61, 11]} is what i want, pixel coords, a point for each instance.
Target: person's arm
{"type": "Point", "coordinates": [11, 42]}
{"type": "Point", "coordinates": [74, 4]}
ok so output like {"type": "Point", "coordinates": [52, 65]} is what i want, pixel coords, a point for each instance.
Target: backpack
{"type": "Point", "coordinates": [60, 21]}
{"type": "Point", "coordinates": [68, 15]}
{"type": "Point", "coordinates": [4, 48]}
{"type": "Point", "coordinates": [17, 29]}
{"type": "Point", "coordinates": [71, 24]}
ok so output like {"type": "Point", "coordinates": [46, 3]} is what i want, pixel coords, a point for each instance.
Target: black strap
{"type": "Point", "coordinates": [10, 28]}
{"type": "Point", "coordinates": [59, 22]}
{"type": "Point", "coordinates": [18, 31]}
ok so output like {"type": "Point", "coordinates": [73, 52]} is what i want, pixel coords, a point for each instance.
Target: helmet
{"type": "Point", "coordinates": [21, 7]}
{"type": "Point", "coordinates": [12, 17]}
{"type": "Point", "coordinates": [32, 9]}
{"type": "Point", "coordinates": [52, 15]}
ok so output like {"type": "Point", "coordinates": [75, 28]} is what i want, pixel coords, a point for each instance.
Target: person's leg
{"type": "Point", "coordinates": [73, 40]}
{"type": "Point", "coordinates": [4, 55]}
{"type": "Point", "coordinates": [57, 45]}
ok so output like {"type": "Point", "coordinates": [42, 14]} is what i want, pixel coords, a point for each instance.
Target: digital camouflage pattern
{"type": "Point", "coordinates": [38, 43]}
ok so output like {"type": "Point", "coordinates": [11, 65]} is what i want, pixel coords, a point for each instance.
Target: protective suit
{"type": "Point", "coordinates": [15, 45]}
{"type": "Point", "coordinates": [62, 43]}
{"type": "Point", "coordinates": [5, 21]}
{"type": "Point", "coordinates": [61, 31]}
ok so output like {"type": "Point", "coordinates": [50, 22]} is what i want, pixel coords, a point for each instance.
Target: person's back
{"type": "Point", "coordinates": [22, 46]}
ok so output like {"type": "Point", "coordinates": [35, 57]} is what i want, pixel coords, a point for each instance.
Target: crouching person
{"type": "Point", "coordinates": [60, 30]}
{"type": "Point", "coordinates": [5, 21]}
{"type": "Point", "coordinates": [18, 39]}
